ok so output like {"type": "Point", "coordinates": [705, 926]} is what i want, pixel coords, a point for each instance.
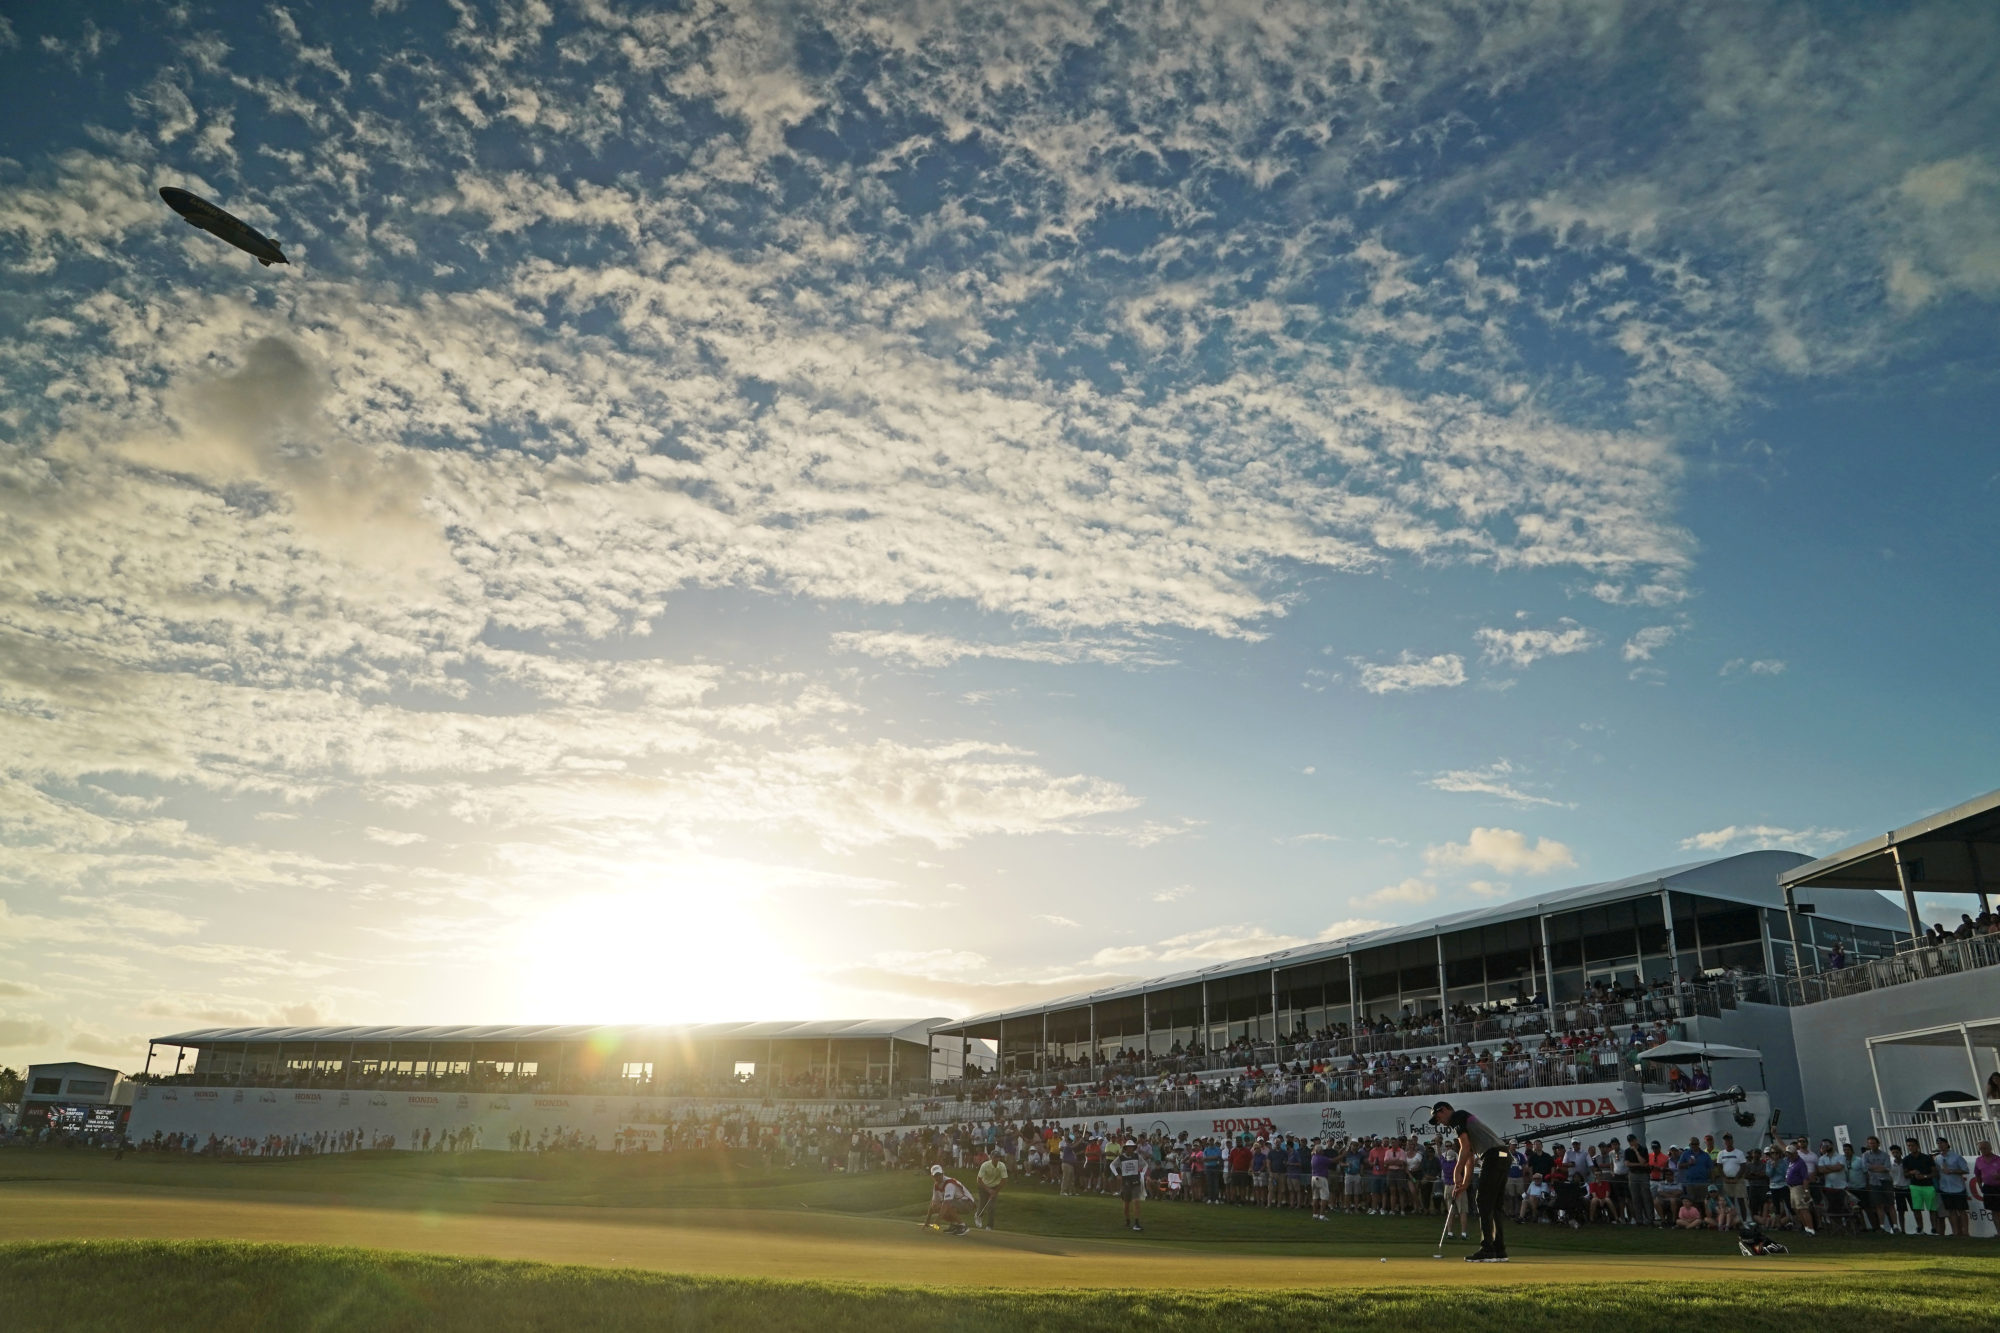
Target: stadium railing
{"type": "Point", "coordinates": [1709, 997]}
{"type": "Point", "coordinates": [1441, 1080]}
{"type": "Point", "coordinates": [1920, 963]}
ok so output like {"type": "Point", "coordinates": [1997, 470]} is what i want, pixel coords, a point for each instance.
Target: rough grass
{"type": "Point", "coordinates": [118, 1285]}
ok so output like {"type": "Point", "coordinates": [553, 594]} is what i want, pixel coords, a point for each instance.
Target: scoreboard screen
{"type": "Point", "coordinates": [76, 1119]}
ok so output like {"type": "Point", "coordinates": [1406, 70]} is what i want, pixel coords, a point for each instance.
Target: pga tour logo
{"type": "Point", "coordinates": [1550, 1110]}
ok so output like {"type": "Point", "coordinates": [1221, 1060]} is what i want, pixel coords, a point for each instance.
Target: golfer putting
{"type": "Point", "coordinates": [1478, 1143]}
{"type": "Point", "coordinates": [992, 1178]}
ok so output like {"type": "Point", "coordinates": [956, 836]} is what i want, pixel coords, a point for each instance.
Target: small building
{"type": "Point", "coordinates": [78, 1098]}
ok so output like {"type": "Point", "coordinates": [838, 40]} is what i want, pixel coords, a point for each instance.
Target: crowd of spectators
{"type": "Point", "coordinates": [1701, 1184]}
{"type": "Point", "coordinates": [1968, 927]}
{"type": "Point", "coordinates": [1698, 1185]}
{"type": "Point", "coordinates": [483, 1079]}
{"type": "Point", "coordinates": [1576, 1055]}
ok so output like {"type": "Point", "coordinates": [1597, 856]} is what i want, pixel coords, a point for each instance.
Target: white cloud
{"type": "Point", "coordinates": [1643, 644]}
{"type": "Point", "coordinates": [1409, 893]}
{"type": "Point", "coordinates": [1488, 889]}
{"type": "Point", "coordinates": [1050, 919]}
{"type": "Point", "coordinates": [1762, 835]}
{"type": "Point", "coordinates": [1349, 927]}
{"type": "Point", "coordinates": [939, 650]}
{"type": "Point", "coordinates": [1504, 850]}
{"type": "Point", "coordinates": [1496, 779]}
{"type": "Point", "coordinates": [1763, 666]}
{"type": "Point", "coordinates": [1410, 672]}
{"type": "Point", "coordinates": [1525, 647]}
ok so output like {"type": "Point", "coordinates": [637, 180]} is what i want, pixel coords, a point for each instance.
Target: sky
{"type": "Point", "coordinates": [756, 510]}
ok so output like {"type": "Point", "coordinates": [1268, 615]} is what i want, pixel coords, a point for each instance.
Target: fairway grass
{"type": "Point", "coordinates": [500, 1241]}
{"type": "Point", "coordinates": [121, 1285]}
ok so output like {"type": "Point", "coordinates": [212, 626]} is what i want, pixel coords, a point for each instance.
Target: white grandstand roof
{"type": "Point", "coordinates": [1748, 877]}
{"type": "Point", "coordinates": [839, 1029]}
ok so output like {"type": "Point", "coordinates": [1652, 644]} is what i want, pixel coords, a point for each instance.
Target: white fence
{"type": "Point", "coordinates": [1958, 1123]}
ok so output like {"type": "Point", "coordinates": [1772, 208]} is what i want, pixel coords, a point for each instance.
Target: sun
{"type": "Point", "coordinates": [668, 954]}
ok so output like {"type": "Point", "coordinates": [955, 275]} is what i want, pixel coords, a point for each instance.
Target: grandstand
{"type": "Point", "coordinates": [1463, 977]}
{"type": "Point", "coordinates": [1530, 1010]}
{"type": "Point", "coordinates": [850, 1059]}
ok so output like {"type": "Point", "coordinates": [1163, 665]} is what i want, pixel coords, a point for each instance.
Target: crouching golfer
{"type": "Point", "coordinates": [1478, 1143]}
{"type": "Point", "coordinates": [947, 1195]}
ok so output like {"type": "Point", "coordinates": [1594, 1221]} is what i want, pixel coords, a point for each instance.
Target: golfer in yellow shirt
{"type": "Point", "coordinates": [992, 1179]}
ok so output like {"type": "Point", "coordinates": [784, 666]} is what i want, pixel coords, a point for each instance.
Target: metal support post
{"type": "Point", "coordinates": [1909, 893]}
{"type": "Point", "coordinates": [1875, 1070]}
{"type": "Point", "coordinates": [1972, 1058]}
{"type": "Point", "coordinates": [1673, 941]}
{"type": "Point", "coordinates": [1978, 880]}
{"type": "Point", "coordinates": [1792, 920]}
{"type": "Point", "coordinates": [1548, 971]}
{"type": "Point", "coordinates": [1444, 996]}
{"type": "Point", "coordinates": [1275, 1035]}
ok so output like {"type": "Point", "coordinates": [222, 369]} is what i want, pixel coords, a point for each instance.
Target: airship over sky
{"type": "Point", "coordinates": [200, 213]}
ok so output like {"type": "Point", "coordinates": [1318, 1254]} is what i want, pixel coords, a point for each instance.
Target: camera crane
{"type": "Point", "coordinates": [1699, 1101]}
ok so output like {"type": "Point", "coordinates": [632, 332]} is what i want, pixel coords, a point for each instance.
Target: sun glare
{"type": "Point", "coordinates": [659, 956]}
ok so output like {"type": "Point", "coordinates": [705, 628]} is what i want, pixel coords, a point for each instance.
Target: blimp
{"type": "Point", "coordinates": [200, 213]}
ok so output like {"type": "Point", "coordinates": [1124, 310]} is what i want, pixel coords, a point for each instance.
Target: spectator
{"type": "Point", "coordinates": [1986, 1176]}
{"type": "Point", "coordinates": [1953, 1171]}
{"type": "Point", "coordinates": [1537, 1200]}
{"type": "Point", "coordinates": [1798, 1185]}
{"type": "Point", "coordinates": [1733, 1162]}
{"type": "Point", "coordinates": [1880, 1202]}
{"type": "Point", "coordinates": [1921, 1172]}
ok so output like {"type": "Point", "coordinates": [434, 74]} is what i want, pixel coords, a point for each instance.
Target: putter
{"type": "Point", "coordinates": [1451, 1205]}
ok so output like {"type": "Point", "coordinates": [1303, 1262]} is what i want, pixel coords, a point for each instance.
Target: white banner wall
{"type": "Point", "coordinates": [254, 1113]}
{"type": "Point", "coordinates": [1508, 1112]}
{"type": "Point", "coordinates": [1512, 1114]}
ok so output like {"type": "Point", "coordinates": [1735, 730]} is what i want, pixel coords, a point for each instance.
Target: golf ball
{"type": "Point", "coordinates": [1385, 1261]}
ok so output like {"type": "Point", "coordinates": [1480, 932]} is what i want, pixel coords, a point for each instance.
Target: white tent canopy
{"type": "Point", "coordinates": [1694, 1050]}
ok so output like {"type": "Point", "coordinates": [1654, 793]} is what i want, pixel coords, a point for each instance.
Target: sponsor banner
{"type": "Point", "coordinates": [1516, 1116]}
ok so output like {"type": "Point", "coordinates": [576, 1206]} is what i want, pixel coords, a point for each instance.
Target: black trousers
{"type": "Point", "coordinates": [1493, 1199]}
